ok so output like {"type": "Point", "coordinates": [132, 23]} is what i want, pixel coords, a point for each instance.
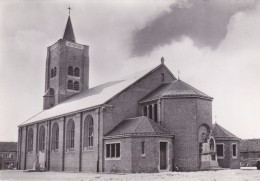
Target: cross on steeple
{"type": "Point", "coordinates": [179, 74]}
{"type": "Point", "coordinates": [69, 9]}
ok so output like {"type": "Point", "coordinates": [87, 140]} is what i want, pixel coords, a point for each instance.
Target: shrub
{"type": "Point", "coordinates": [258, 165]}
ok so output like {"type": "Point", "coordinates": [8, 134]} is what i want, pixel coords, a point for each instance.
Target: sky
{"type": "Point", "coordinates": [214, 44]}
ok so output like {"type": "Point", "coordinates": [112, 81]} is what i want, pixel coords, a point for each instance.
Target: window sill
{"type": "Point", "coordinates": [55, 151]}
{"type": "Point", "coordinates": [143, 155]}
{"type": "Point", "coordinates": [72, 76]}
{"type": "Point", "coordinates": [71, 90]}
{"type": "Point", "coordinates": [118, 158]}
{"type": "Point", "coordinates": [220, 157]}
{"type": "Point", "coordinates": [30, 153]}
{"type": "Point", "coordinates": [88, 148]}
{"type": "Point", "coordinates": [70, 150]}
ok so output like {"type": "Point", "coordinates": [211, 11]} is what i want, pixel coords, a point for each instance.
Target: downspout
{"type": "Point", "coordinates": [63, 144]}
{"type": "Point", "coordinates": [25, 150]}
{"type": "Point", "coordinates": [99, 111]}
{"type": "Point", "coordinates": [80, 142]}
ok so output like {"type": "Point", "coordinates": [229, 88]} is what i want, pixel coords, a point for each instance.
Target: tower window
{"type": "Point", "coordinates": [70, 85]}
{"type": "Point", "coordinates": [76, 72]}
{"type": "Point", "coordinates": [54, 72]}
{"type": "Point", "coordinates": [70, 70]}
{"type": "Point", "coordinates": [76, 85]}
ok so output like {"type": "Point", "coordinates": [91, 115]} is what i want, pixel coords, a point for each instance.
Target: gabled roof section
{"type": "Point", "coordinates": [176, 88]}
{"type": "Point", "coordinates": [90, 98]}
{"type": "Point", "coordinates": [8, 146]}
{"type": "Point", "coordinates": [138, 126]}
{"type": "Point", "coordinates": [250, 145]}
{"type": "Point", "coordinates": [69, 33]}
{"type": "Point", "coordinates": [221, 133]}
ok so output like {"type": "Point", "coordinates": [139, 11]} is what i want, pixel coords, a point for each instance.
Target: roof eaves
{"type": "Point", "coordinates": [61, 115]}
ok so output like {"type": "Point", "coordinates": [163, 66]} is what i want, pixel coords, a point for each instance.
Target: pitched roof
{"type": "Point", "coordinates": [176, 88]}
{"type": "Point", "coordinates": [8, 146]}
{"type": "Point", "coordinates": [69, 33]}
{"type": "Point", "coordinates": [250, 145]}
{"type": "Point", "coordinates": [221, 133]}
{"type": "Point", "coordinates": [90, 98]}
{"type": "Point", "coordinates": [138, 126]}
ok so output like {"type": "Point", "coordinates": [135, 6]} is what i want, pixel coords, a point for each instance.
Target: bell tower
{"type": "Point", "coordinates": [67, 68]}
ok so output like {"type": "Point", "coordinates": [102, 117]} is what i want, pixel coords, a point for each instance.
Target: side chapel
{"type": "Point", "coordinates": [146, 122]}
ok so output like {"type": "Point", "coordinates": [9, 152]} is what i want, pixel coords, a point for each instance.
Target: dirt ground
{"type": "Point", "coordinates": [221, 175]}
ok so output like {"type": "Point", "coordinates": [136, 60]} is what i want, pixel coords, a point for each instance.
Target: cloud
{"type": "Point", "coordinates": [204, 21]}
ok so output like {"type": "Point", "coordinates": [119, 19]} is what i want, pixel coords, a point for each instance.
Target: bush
{"type": "Point", "coordinates": [258, 165]}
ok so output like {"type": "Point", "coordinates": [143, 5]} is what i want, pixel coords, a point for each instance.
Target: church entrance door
{"type": "Point", "coordinates": [163, 155]}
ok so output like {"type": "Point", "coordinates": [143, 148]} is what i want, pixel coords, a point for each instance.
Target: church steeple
{"type": "Point", "coordinates": [69, 33]}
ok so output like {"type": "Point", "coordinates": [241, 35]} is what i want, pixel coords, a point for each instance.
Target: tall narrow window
{"type": "Point", "coordinates": [70, 70]}
{"type": "Point", "coordinates": [76, 72]}
{"type": "Point", "coordinates": [30, 140]}
{"type": "Point", "coordinates": [70, 85]}
{"type": "Point", "coordinates": [55, 136]}
{"type": "Point", "coordinates": [42, 138]}
{"type": "Point", "coordinates": [150, 111]}
{"type": "Point", "coordinates": [155, 112]}
{"type": "Point", "coordinates": [234, 150]}
{"type": "Point", "coordinates": [54, 72]}
{"type": "Point", "coordinates": [70, 134]}
{"type": "Point", "coordinates": [145, 110]}
{"type": "Point", "coordinates": [143, 148]}
{"type": "Point", "coordinates": [76, 85]}
{"type": "Point", "coordinates": [90, 132]}
{"type": "Point", "coordinates": [162, 77]}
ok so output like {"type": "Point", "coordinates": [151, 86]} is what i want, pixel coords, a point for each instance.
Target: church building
{"type": "Point", "coordinates": [146, 122]}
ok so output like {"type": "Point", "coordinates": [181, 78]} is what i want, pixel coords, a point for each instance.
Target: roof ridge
{"type": "Point", "coordinates": [194, 88]}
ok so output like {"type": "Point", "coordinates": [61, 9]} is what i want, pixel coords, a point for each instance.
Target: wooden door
{"type": "Point", "coordinates": [163, 155]}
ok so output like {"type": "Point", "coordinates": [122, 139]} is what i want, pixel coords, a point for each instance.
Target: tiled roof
{"type": "Point", "coordinates": [90, 98]}
{"type": "Point", "coordinates": [250, 145]}
{"type": "Point", "coordinates": [8, 146]}
{"type": "Point", "coordinates": [176, 88]}
{"type": "Point", "coordinates": [69, 33]}
{"type": "Point", "coordinates": [221, 133]}
{"type": "Point", "coordinates": [138, 126]}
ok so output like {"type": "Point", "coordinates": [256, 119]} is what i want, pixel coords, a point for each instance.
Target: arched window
{"type": "Point", "coordinates": [76, 85]}
{"type": "Point", "coordinates": [211, 144]}
{"type": "Point", "coordinates": [145, 110]}
{"type": "Point", "coordinates": [54, 72]}
{"type": "Point", "coordinates": [42, 138]}
{"type": "Point", "coordinates": [51, 91]}
{"type": "Point", "coordinates": [88, 131]}
{"type": "Point", "coordinates": [55, 136]}
{"type": "Point", "coordinates": [30, 140]}
{"type": "Point", "coordinates": [76, 72]}
{"type": "Point", "coordinates": [162, 77]}
{"type": "Point", "coordinates": [150, 111]}
{"type": "Point", "coordinates": [70, 70]}
{"type": "Point", "coordinates": [70, 85]}
{"type": "Point", "coordinates": [70, 134]}
{"type": "Point", "coordinates": [155, 112]}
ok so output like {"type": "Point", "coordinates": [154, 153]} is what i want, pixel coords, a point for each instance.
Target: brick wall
{"type": "Point", "coordinates": [183, 117]}
{"type": "Point", "coordinates": [126, 103]}
{"type": "Point", "coordinates": [150, 161]}
{"type": "Point", "coordinates": [124, 164]}
{"type": "Point", "coordinates": [228, 161]}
